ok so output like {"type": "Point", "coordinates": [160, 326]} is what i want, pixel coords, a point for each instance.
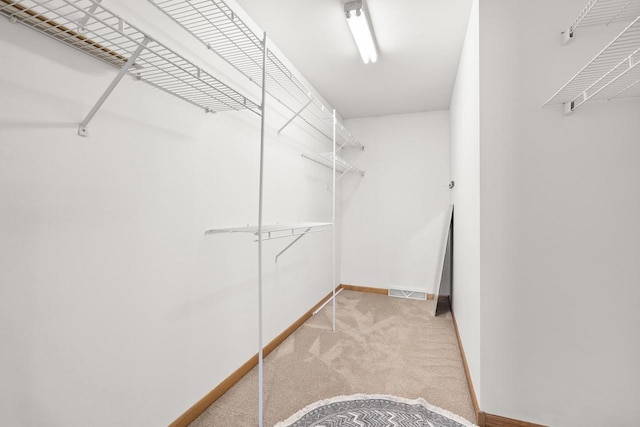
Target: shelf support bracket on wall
{"type": "Point", "coordinates": [293, 118]}
{"type": "Point", "coordinates": [293, 243]}
{"type": "Point", "coordinates": [82, 128]}
{"type": "Point", "coordinates": [568, 34]}
{"type": "Point", "coordinates": [82, 23]}
{"type": "Point", "coordinates": [341, 175]}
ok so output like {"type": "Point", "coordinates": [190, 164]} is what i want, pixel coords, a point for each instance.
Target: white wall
{"type": "Point", "coordinates": [465, 196]}
{"type": "Point", "coordinates": [114, 306]}
{"type": "Point", "coordinates": [560, 202]}
{"type": "Point", "coordinates": [393, 218]}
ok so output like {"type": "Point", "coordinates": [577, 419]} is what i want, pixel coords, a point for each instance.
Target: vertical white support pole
{"type": "Point", "coordinates": [333, 220]}
{"type": "Point", "coordinates": [260, 361]}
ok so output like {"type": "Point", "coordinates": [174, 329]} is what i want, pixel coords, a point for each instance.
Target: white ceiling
{"type": "Point", "coordinates": [419, 41]}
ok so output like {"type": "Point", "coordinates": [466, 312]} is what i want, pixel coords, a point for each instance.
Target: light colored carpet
{"type": "Point", "coordinates": [382, 345]}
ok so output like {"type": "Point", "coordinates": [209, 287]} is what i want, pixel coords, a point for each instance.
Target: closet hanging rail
{"type": "Point", "coordinates": [613, 73]}
{"type": "Point", "coordinates": [217, 26]}
{"type": "Point", "coordinates": [88, 26]}
{"type": "Point", "coordinates": [603, 12]}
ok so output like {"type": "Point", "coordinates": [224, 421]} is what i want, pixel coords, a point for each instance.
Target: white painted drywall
{"type": "Point", "coordinates": [115, 309]}
{"type": "Point", "coordinates": [393, 218]}
{"type": "Point", "coordinates": [465, 196]}
{"type": "Point", "coordinates": [559, 209]}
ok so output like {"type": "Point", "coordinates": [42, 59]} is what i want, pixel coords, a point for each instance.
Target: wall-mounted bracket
{"type": "Point", "coordinates": [295, 115]}
{"type": "Point", "coordinates": [340, 147]}
{"type": "Point", "coordinates": [82, 128]}
{"type": "Point", "coordinates": [568, 107]}
{"type": "Point", "coordinates": [567, 36]}
{"type": "Point", "coordinates": [293, 243]}
{"type": "Point", "coordinates": [82, 23]}
{"type": "Point", "coordinates": [340, 176]}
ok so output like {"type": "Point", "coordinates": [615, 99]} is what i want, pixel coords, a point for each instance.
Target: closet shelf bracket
{"type": "Point", "coordinates": [83, 22]}
{"type": "Point", "coordinates": [82, 128]}
{"type": "Point", "coordinates": [296, 115]}
{"type": "Point", "coordinates": [293, 243]}
{"type": "Point", "coordinates": [341, 175]}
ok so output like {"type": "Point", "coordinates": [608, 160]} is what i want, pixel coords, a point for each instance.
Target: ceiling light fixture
{"type": "Point", "coordinates": [360, 27]}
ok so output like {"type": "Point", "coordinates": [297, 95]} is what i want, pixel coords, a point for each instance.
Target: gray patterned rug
{"type": "Point", "coordinates": [363, 410]}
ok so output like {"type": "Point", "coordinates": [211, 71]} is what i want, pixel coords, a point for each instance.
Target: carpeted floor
{"type": "Point", "coordinates": [383, 345]}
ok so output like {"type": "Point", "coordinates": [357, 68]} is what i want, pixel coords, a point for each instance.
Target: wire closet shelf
{"type": "Point", "coordinates": [218, 27]}
{"type": "Point", "coordinates": [326, 160]}
{"type": "Point", "coordinates": [603, 12]}
{"type": "Point", "coordinates": [276, 231]}
{"type": "Point", "coordinates": [613, 73]}
{"type": "Point", "coordinates": [88, 26]}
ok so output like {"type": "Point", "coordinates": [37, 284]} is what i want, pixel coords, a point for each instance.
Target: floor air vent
{"type": "Point", "coordinates": [403, 293]}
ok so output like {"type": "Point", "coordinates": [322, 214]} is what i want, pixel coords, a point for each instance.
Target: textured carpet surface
{"type": "Point", "coordinates": [382, 345]}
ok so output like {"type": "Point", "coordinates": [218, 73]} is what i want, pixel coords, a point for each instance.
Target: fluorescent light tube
{"type": "Point", "coordinates": [362, 34]}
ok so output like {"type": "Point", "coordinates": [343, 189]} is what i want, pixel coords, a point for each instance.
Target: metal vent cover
{"type": "Point", "coordinates": [405, 293]}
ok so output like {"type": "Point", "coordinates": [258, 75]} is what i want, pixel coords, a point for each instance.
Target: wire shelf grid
{"type": "Point", "coordinates": [604, 12]}
{"type": "Point", "coordinates": [91, 28]}
{"type": "Point", "coordinates": [614, 72]}
{"type": "Point", "coordinates": [326, 160]}
{"type": "Point", "coordinates": [217, 26]}
{"type": "Point", "coordinates": [276, 231]}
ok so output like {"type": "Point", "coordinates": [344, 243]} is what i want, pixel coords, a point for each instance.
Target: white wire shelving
{"type": "Point", "coordinates": [88, 26]}
{"type": "Point", "coordinates": [613, 73]}
{"type": "Point", "coordinates": [326, 159]}
{"type": "Point", "coordinates": [603, 12]}
{"type": "Point", "coordinates": [277, 231]}
{"type": "Point", "coordinates": [218, 27]}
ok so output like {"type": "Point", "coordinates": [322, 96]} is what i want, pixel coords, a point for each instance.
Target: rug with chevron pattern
{"type": "Point", "coordinates": [363, 410]}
